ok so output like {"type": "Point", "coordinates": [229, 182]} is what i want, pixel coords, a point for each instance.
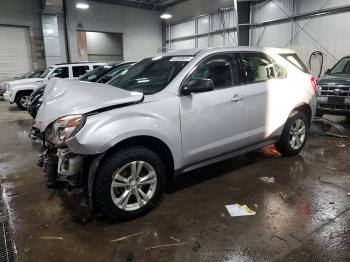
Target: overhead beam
{"type": "Point", "coordinates": [312, 14]}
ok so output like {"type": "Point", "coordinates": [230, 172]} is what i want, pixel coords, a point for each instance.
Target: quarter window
{"type": "Point", "coordinates": [218, 68]}
{"type": "Point", "coordinates": [61, 72]}
{"type": "Point", "coordinates": [296, 61]}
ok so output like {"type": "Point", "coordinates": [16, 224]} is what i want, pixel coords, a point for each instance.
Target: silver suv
{"type": "Point", "coordinates": [168, 115]}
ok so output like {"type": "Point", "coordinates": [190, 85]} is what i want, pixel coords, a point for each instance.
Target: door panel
{"type": "Point", "coordinates": [213, 123]}
{"type": "Point", "coordinates": [263, 90]}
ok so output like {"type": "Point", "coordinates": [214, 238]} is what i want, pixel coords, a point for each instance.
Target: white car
{"type": "Point", "coordinates": [18, 91]}
{"type": "Point", "coordinates": [170, 114]}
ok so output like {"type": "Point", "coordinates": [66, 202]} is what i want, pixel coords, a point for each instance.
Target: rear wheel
{"type": "Point", "coordinates": [294, 135]}
{"type": "Point", "coordinates": [22, 100]}
{"type": "Point", "coordinates": [129, 183]}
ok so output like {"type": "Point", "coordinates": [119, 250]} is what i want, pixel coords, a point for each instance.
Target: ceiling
{"type": "Point", "coordinates": [159, 5]}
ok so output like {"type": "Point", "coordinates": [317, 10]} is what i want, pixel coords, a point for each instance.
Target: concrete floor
{"type": "Point", "coordinates": [304, 216]}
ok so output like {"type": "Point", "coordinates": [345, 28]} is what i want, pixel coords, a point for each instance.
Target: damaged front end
{"type": "Point", "coordinates": [63, 166]}
{"type": "Point", "coordinates": [59, 163]}
{"type": "Point", "coordinates": [67, 107]}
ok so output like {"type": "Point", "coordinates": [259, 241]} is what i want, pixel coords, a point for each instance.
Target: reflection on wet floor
{"type": "Point", "coordinates": [303, 216]}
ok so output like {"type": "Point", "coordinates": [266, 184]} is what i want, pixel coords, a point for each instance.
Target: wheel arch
{"type": "Point", "coordinates": [19, 92]}
{"type": "Point", "coordinates": [153, 143]}
{"type": "Point", "coordinates": [304, 108]}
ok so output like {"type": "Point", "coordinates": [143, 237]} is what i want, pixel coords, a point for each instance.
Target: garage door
{"type": "Point", "coordinates": [15, 52]}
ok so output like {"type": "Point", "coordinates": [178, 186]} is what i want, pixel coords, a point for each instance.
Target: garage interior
{"type": "Point", "coordinates": [301, 204]}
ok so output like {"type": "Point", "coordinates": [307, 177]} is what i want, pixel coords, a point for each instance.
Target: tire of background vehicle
{"type": "Point", "coordinates": [284, 146]}
{"type": "Point", "coordinates": [19, 99]}
{"type": "Point", "coordinates": [103, 198]}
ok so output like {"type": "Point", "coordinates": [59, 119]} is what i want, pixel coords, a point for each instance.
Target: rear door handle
{"type": "Point", "coordinates": [237, 98]}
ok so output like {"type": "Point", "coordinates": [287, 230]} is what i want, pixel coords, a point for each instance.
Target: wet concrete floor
{"type": "Point", "coordinates": [303, 216]}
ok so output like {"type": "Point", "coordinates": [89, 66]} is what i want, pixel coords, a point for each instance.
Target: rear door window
{"type": "Point", "coordinates": [258, 67]}
{"type": "Point", "coordinates": [294, 59]}
{"type": "Point", "coordinates": [79, 70]}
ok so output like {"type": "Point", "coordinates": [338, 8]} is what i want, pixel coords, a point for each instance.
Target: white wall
{"type": "Point", "coordinates": [194, 8]}
{"type": "Point", "coordinates": [141, 28]}
{"type": "Point", "coordinates": [210, 22]}
{"type": "Point", "coordinates": [329, 34]}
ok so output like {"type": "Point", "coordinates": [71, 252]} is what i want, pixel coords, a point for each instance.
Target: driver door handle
{"type": "Point", "coordinates": [237, 98]}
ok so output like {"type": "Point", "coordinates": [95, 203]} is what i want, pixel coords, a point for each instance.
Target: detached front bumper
{"type": "Point", "coordinates": [8, 96]}
{"type": "Point", "coordinates": [333, 105]}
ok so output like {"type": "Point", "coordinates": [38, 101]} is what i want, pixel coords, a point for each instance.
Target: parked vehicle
{"type": "Point", "coordinates": [105, 73]}
{"type": "Point", "coordinates": [101, 74]}
{"type": "Point", "coordinates": [18, 91]}
{"type": "Point", "coordinates": [31, 74]}
{"type": "Point", "coordinates": [168, 115]}
{"type": "Point", "coordinates": [334, 90]}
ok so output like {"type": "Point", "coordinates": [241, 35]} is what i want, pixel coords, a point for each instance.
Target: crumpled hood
{"type": "Point", "coordinates": [36, 81]}
{"type": "Point", "coordinates": [64, 97]}
{"type": "Point", "coordinates": [335, 80]}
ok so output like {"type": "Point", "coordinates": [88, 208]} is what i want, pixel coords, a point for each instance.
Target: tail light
{"type": "Point", "coordinates": [314, 83]}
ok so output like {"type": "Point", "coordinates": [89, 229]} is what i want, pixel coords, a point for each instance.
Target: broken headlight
{"type": "Point", "coordinates": [64, 128]}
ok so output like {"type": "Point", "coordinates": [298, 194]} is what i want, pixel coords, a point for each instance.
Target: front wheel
{"type": "Point", "coordinates": [128, 183]}
{"type": "Point", "coordinates": [22, 100]}
{"type": "Point", "coordinates": [294, 135]}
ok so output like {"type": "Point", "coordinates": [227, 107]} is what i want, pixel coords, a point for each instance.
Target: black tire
{"type": "Point", "coordinates": [284, 146]}
{"type": "Point", "coordinates": [102, 196]}
{"type": "Point", "coordinates": [20, 98]}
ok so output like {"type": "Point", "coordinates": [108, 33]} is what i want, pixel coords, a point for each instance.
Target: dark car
{"type": "Point", "coordinates": [31, 74]}
{"type": "Point", "coordinates": [101, 74]}
{"type": "Point", "coordinates": [334, 90]}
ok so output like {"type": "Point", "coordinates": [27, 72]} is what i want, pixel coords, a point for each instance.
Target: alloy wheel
{"type": "Point", "coordinates": [133, 185]}
{"type": "Point", "coordinates": [297, 134]}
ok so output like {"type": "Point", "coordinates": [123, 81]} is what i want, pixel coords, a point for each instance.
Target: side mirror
{"type": "Point", "coordinates": [198, 86]}
{"type": "Point", "coordinates": [327, 71]}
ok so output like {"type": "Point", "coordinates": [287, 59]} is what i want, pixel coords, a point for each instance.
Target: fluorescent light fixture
{"type": "Point", "coordinates": [166, 16]}
{"type": "Point", "coordinates": [82, 5]}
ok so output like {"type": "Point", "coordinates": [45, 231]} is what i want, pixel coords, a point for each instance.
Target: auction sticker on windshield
{"type": "Point", "coordinates": [181, 59]}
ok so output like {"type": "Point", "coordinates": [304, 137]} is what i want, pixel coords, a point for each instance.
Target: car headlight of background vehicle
{"type": "Point", "coordinates": [64, 128]}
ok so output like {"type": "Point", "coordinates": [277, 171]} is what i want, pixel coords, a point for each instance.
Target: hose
{"type": "Point", "coordinates": [315, 53]}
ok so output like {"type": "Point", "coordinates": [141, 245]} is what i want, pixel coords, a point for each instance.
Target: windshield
{"type": "Point", "coordinates": [342, 67]}
{"type": "Point", "coordinates": [150, 75]}
{"type": "Point", "coordinates": [95, 74]}
{"type": "Point", "coordinates": [26, 75]}
{"type": "Point", "coordinates": [46, 72]}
